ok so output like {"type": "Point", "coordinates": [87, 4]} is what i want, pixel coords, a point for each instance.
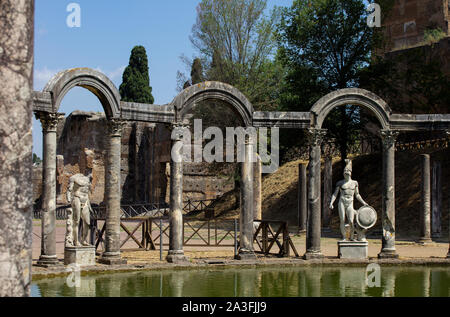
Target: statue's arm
{"type": "Point", "coordinates": [358, 196]}
{"type": "Point", "coordinates": [69, 192]}
{"type": "Point", "coordinates": [334, 197]}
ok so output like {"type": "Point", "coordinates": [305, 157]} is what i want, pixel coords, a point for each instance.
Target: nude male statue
{"type": "Point", "coordinates": [348, 189]}
{"type": "Point", "coordinates": [78, 196]}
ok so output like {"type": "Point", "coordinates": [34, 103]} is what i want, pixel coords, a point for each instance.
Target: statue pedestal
{"type": "Point", "coordinates": [353, 250]}
{"type": "Point", "coordinates": [81, 256]}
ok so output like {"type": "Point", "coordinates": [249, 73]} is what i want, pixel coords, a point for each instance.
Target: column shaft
{"type": "Point", "coordinates": [436, 200]}
{"type": "Point", "coordinates": [313, 233]}
{"type": "Point", "coordinates": [425, 206]}
{"type": "Point", "coordinates": [111, 255]}
{"type": "Point", "coordinates": [49, 123]}
{"type": "Point", "coordinates": [247, 204]}
{"type": "Point", "coordinates": [257, 183]}
{"type": "Point", "coordinates": [388, 198]}
{"type": "Point", "coordinates": [302, 197]}
{"type": "Point", "coordinates": [176, 253]}
{"type": "Point", "coordinates": [327, 192]}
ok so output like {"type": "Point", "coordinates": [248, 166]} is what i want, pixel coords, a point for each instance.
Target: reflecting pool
{"type": "Point", "coordinates": [255, 282]}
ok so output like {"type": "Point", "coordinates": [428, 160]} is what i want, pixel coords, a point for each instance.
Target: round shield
{"type": "Point", "coordinates": [366, 217]}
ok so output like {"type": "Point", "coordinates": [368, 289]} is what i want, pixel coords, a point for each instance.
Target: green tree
{"type": "Point", "coordinates": [36, 159]}
{"type": "Point", "coordinates": [324, 44]}
{"type": "Point", "coordinates": [197, 72]}
{"type": "Point", "coordinates": [235, 40]}
{"type": "Point", "coordinates": [135, 85]}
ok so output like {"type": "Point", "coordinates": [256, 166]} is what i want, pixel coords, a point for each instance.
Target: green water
{"type": "Point", "coordinates": [260, 282]}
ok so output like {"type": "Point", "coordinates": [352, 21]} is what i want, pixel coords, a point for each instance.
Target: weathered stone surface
{"type": "Point", "coordinates": [405, 25]}
{"type": "Point", "coordinates": [16, 73]}
{"type": "Point", "coordinates": [80, 256]}
{"type": "Point", "coordinates": [313, 231]}
{"type": "Point", "coordinates": [436, 200]}
{"type": "Point", "coordinates": [389, 138]}
{"type": "Point", "coordinates": [302, 197]}
{"type": "Point", "coordinates": [353, 249]}
{"type": "Point", "coordinates": [425, 210]}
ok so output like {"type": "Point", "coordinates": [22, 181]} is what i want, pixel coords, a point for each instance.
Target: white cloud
{"type": "Point", "coordinates": [42, 76]}
{"type": "Point", "coordinates": [114, 74]}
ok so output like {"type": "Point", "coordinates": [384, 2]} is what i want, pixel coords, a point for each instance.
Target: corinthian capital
{"type": "Point", "coordinates": [316, 136]}
{"type": "Point", "coordinates": [389, 137]}
{"type": "Point", "coordinates": [115, 127]}
{"type": "Point", "coordinates": [49, 120]}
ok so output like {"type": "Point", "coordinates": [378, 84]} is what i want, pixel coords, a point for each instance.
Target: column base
{"type": "Point", "coordinates": [245, 255]}
{"type": "Point", "coordinates": [388, 254]}
{"type": "Point", "coordinates": [112, 259]}
{"type": "Point", "coordinates": [312, 255]}
{"type": "Point", "coordinates": [47, 261]}
{"type": "Point", "coordinates": [424, 240]}
{"type": "Point", "coordinates": [177, 257]}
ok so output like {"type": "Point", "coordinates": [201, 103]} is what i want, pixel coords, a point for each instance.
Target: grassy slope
{"type": "Point", "coordinates": [280, 191]}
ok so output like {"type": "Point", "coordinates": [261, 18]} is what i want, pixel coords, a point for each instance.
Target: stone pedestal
{"type": "Point", "coordinates": [81, 256]}
{"type": "Point", "coordinates": [177, 257]}
{"type": "Point", "coordinates": [246, 255]}
{"type": "Point", "coordinates": [353, 250]}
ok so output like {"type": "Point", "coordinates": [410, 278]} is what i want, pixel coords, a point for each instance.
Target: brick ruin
{"type": "Point", "coordinates": [145, 157]}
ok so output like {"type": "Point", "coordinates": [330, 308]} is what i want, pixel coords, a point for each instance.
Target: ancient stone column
{"type": "Point", "coordinates": [176, 253]}
{"type": "Point", "coordinates": [111, 256]}
{"type": "Point", "coordinates": [16, 193]}
{"type": "Point", "coordinates": [389, 138]}
{"type": "Point", "coordinates": [257, 183]}
{"type": "Point", "coordinates": [49, 123]}
{"type": "Point", "coordinates": [246, 250]}
{"type": "Point", "coordinates": [302, 198]}
{"type": "Point", "coordinates": [327, 192]}
{"type": "Point", "coordinates": [436, 199]}
{"type": "Point", "coordinates": [425, 206]}
{"type": "Point", "coordinates": [313, 231]}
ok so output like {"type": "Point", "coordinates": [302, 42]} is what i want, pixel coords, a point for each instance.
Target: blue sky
{"type": "Point", "coordinates": [108, 32]}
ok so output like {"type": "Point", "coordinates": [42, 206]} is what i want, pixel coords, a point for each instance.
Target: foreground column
{"type": "Point", "coordinates": [425, 207]}
{"type": "Point", "coordinates": [176, 253]}
{"type": "Point", "coordinates": [111, 256]}
{"type": "Point", "coordinates": [313, 231]}
{"type": "Point", "coordinates": [302, 198]}
{"type": "Point", "coordinates": [389, 138]}
{"type": "Point", "coordinates": [246, 250]}
{"type": "Point", "coordinates": [49, 123]}
{"type": "Point", "coordinates": [16, 194]}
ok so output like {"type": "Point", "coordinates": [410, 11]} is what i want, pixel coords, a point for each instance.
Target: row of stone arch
{"type": "Point", "coordinates": [47, 103]}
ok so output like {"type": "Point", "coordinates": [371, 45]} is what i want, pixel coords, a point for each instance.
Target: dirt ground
{"type": "Point", "coordinates": [405, 248]}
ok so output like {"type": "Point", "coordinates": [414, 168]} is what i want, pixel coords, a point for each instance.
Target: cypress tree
{"type": "Point", "coordinates": [135, 85]}
{"type": "Point", "coordinates": [197, 72]}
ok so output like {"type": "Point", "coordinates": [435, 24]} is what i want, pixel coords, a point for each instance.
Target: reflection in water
{"type": "Point", "coordinates": [251, 282]}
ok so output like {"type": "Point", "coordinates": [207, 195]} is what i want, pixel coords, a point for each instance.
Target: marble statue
{"type": "Point", "coordinates": [348, 190]}
{"type": "Point", "coordinates": [78, 197]}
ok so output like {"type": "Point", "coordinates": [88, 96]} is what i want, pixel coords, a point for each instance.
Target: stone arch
{"type": "Point", "coordinates": [350, 96]}
{"type": "Point", "coordinates": [213, 90]}
{"type": "Point", "coordinates": [93, 80]}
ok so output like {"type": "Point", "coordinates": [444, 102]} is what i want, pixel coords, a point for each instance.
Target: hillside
{"type": "Point", "coordinates": [280, 191]}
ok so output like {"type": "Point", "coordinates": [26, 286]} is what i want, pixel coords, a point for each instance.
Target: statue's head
{"type": "Point", "coordinates": [348, 168]}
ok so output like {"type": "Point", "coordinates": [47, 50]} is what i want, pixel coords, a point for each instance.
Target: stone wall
{"type": "Point", "coordinates": [406, 23]}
